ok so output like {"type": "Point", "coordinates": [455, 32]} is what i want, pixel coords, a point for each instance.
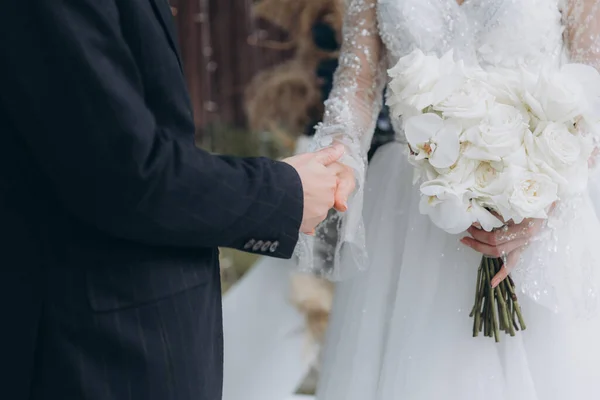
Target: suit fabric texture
{"type": "Point", "coordinates": [110, 216]}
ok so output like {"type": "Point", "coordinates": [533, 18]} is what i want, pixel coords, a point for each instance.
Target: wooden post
{"type": "Point", "coordinates": [219, 56]}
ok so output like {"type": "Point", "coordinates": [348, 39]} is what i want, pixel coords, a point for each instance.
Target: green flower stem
{"type": "Point", "coordinates": [477, 292]}
{"type": "Point", "coordinates": [495, 329]}
{"type": "Point", "coordinates": [511, 288]}
{"type": "Point", "coordinates": [495, 309]}
{"type": "Point", "coordinates": [500, 299]}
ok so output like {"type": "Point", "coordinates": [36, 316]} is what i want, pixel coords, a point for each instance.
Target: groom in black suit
{"type": "Point", "coordinates": [111, 218]}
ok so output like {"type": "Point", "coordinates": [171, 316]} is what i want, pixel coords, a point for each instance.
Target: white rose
{"type": "Point", "coordinates": [488, 180]}
{"type": "Point", "coordinates": [433, 138]}
{"type": "Point", "coordinates": [498, 135]}
{"type": "Point", "coordinates": [529, 195]}
{"type": "Point", "coordinates": [555, 142]}
{"type": "Point", "coordinates": [560, 154]}
{"type": "Point", "coordinates": [419, 81]}
{"type": "Point", "coordinates": [554, 96]}
{"type": "Point", "coordinates": [505, 85]}
{"type": "Point", "coordinates": [518, 158]}
{"type": "Point", "coordinates": [461, 175]}
{"type": "Point", "coordinates": [447, 209]}
{"type": "Point", "coordinates": [471, 101]}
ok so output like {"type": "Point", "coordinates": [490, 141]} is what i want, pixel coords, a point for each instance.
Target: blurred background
{"type": "Point", "coordinates": [258, 73]}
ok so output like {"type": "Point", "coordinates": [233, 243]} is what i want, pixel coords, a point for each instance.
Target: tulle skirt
{"type": "Point", "coordinates": [401, 330]}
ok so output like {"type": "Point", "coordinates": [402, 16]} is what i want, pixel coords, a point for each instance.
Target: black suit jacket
{"type": "Point", "coordinates": [110, 218]}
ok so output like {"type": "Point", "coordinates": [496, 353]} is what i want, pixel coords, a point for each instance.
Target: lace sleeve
{"type": "Point", "coordinates": [582, 31]}
{"type": "Point", "coordinates": [582, 36]}
{"type": "Point", "coordinates": [338, 248]}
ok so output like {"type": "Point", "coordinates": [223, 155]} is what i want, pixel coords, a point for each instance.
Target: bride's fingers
{"type": "Point", "coordinates": [492, 238]}
{"type": "Point", "coordinates": [494, 251]}
{"type": "Point", "coordinates": [345, 187]}
{"type": "Point", "coordinates": [511, 263]}
{"type": "Point", "coordinates": [526, 229]}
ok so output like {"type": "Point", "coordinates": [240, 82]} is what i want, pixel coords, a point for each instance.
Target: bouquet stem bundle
{"type": "Point", "coordinates": [495, 309]}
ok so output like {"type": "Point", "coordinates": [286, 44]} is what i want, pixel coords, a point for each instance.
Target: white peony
{"type": "Point", "coordinates": [419, 81]}
{"type": "Point", "coordinates": [433, 138]}
{"type": "Point", "coordinates": [499, 134]}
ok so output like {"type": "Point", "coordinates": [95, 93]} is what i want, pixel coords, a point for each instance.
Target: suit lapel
{"type": "Point", "coordinates": [163, 13]}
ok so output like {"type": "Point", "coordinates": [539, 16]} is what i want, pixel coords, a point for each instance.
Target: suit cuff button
{"type": "Point", "coordinates": [258, 245]}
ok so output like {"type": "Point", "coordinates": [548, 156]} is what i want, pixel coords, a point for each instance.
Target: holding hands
{"type": "Point", "coordinates": [326, 184]}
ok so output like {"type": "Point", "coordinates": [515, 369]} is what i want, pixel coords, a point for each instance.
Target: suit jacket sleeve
{"type": "Point", "coordinates": [72, 90]}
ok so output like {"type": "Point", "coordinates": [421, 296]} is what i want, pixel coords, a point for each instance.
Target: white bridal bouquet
{"type": "Point", "coordinates": [489, 143]}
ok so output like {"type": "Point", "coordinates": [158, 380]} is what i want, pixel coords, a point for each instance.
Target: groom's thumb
{"type": "Point", "coordinates": [330, 155]}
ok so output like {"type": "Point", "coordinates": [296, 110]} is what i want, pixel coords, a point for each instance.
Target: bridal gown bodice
{"type": "Point", "coordinates": [502, 33]}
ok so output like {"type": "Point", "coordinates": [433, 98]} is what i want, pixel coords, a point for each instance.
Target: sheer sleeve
{"type": "Point", "coordinates": [582, 31]}
{"type": "Point", "coordinates": [582, 39]}
{"type": "Point", "coordinates": [338, 248]}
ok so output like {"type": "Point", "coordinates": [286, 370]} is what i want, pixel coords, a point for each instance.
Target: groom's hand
{"type": "Point", "coordinates": [321, 178]}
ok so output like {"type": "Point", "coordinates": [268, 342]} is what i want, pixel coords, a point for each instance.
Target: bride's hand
{"type": "Point", "coordinates": [346, 184]}
{"type": "Point", "coordinates": [507, 243]}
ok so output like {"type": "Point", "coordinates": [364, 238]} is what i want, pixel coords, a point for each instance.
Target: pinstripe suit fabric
{"type": "Point", "coordinates": [110, 218]}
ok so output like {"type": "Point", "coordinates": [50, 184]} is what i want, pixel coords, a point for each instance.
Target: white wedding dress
{"type": "Point", "coordinates": [399, 328]}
